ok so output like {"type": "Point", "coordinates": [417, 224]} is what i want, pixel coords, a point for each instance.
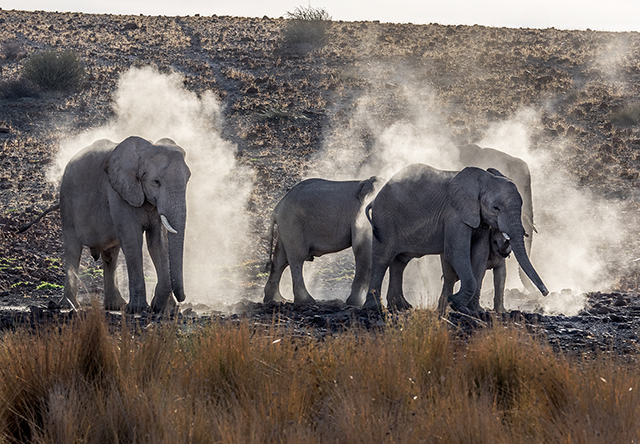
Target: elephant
{"type": "Point", "coordinates": [515, 169]}
{"type": "Point", "coordinates": [494, 257]}
{"type": "Point", "coordinates": [111, 194]}
{"type": "Point", "coordinates": [422, 210]}
{"type": "Point", "coordinates": [317, 217]}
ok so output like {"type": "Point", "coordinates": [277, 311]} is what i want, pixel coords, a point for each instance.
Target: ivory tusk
{"type": "Point", "coordinates": [506, 236]}
{"type": "Point", "coordinates": [167, 225]}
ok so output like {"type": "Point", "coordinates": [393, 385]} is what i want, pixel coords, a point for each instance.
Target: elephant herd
{"type": "Point", "coordinates": [472, 218]}
{"type": "Point", "coordinates": [112, 195]}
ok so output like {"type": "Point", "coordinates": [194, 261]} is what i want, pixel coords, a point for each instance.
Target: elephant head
{"type": "Point", "coordinates": [488, 196]}
{"type": "Point", "coordinates": [157, 174]}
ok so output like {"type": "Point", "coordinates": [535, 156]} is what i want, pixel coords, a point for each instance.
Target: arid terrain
{"type": "Point", "coordinates": [291, 111]}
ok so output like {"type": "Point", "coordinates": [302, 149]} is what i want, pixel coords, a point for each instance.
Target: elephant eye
{"type": "Point", "coordinates": [496, 209]}
{"type": "Point", "coordinates": [156, 182]}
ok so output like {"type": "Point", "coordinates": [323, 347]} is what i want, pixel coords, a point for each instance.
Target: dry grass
{"type": "Point", "coordinates": [233, 384]}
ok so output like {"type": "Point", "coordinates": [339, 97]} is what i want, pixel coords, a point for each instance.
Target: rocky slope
{"type": "Point", "coordinates": [292, 110]}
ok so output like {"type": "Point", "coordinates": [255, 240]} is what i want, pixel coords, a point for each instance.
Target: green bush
{"type": "Point", "coordinates": [54, 70]}
{"type": "Point", "coordinates": [307, 25]}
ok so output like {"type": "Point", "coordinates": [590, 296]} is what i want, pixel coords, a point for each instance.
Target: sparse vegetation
{"type": "Point", "coordinates": [17, 88]}
{"type": "Point", "coordinates": [307, 25]}
{"type": "Point", "coordinates": [54, 70]}
{"type": "Point", "coordinates": [49, 286]}
{"type": "Point", "coordinates": [231, 383]}
{"type": "Point", "coordinates": [627, 116]}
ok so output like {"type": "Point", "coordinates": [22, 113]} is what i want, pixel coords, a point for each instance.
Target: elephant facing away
{"type": "Point", "coordinates": [515, 169]}
{"type": "Point", "coordinates": [499, 249]}
{"type": "Point", "coordinates": [111, 195]}
{"type": "Point", "coordinates": [422, 210]}
{"type": "Point", "coordinates": [314, 218]}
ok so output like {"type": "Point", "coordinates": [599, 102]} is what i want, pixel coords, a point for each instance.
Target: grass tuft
{"type": "Point", "coordinates": [307, 25]}
{"type": "Point", "coordinates": [54, 70]}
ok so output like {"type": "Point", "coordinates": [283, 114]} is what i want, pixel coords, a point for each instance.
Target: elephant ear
{"type": "Point", "coordinates": [122, 168]}
{"type": "Point", "coordinates": [166, 141]}
{"type": "Point", "coordinates": [463, 192]}
{"type": "Point", "coordinates": [496, 172]}
{"type": "Point", "coordinates": [367, 187]}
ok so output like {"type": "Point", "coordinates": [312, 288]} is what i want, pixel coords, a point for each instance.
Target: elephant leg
{"type": "Point", "coordinates": [159, 252]}
{"type": "Point", "coordinates": [131, 244]}
{"type": "Point", "coordinates": [449, 279]}
{"type": "Point", "coordinates": [362, 276]}
{"type": "Point", "coordinates": [380, 262]}
{"type": "Point", "coordinates": [113, 300]}
{"type": "Point", "coordinates": [300, 293]}
{"type": "Point", "coordinates": [395, 295]}
{"type": "Point", "coordinates": [457, 253]}
{"type": "Point", "coordinates": [278, 265]}
{"type": "Point", "coordinates": [499, 279]}
{"type": "Point", "coordinates": [72, 254]}
{"type": "Point", "coordinates": [480, 250]}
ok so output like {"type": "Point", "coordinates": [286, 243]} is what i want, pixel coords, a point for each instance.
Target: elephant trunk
{"type": "Point", "coordinates": [176, 220]}
{"type": "Point", "coordinates": [516, 234]}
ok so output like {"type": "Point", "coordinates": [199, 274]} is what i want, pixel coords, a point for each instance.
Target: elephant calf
{"type": "Point", "coordinates": [314, 218]}
{"type": "Point", "coordinates": [494, 257]}
{"type": "Point", "coordinates": [111, 196]}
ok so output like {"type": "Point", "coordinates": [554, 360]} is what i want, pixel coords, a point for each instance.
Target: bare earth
{"type": "Point", "coordinates": [280, 101]}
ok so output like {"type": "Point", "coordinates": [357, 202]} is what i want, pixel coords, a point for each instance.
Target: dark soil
{"type": "Point", "coordinates": [584, 84]}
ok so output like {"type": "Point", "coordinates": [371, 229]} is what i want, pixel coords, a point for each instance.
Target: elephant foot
{"type": "Point", "coordinates": [457, 303]}
{"type": "Point", "coordinates": [132, 308]}
{"type": "Point", "coordinates": [167, 305]}
{"type": "Point", "coordinates": [354, 301]}
{"type": "Point", "coordinates": [373, 301]}
{"type": "Point", "coordinates": [66, 303]}
{"type": "Point", "coordinates": [114, 303]}
{"type": "Point", "coordinates": [303, 300]}
{"type": "Point", "coordinates": [499, 308]}
{"type": "Point", "coordinates": [277, 298]}
{"type": "Point", "coordinates": [398, 304]}
{"type": "Point", "coordinates": [474, 307]}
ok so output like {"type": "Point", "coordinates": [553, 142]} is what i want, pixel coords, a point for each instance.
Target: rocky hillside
{"type": "Point", "coordinates": [290, 110]}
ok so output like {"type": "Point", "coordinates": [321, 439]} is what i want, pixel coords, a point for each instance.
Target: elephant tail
{"type": "Point", "coordinates": [376, 232]}
{"type": "Point", "coordinates": [26, 226]}
{"type": "Point", "coordinates": [271, 236]}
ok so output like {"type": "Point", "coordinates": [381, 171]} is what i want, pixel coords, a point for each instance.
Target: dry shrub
{"type": "Point", "coordinates": [17, 88]}
{"type": "Point", "coordinates": [628, 115]}
{"type": "Point", "coordinates": [238, 382]}
{"type": "Point", "coordinates": [307, 25]}
{"type": "Point", "coordinates": [54, 70]}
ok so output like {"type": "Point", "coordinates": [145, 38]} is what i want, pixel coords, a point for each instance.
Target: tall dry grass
{"type": "Point", "coordinates": [243, 383]}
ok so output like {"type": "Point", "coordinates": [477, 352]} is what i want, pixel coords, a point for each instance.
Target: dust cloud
{"type": "Point", "coordinates": [153, 106]}
{"type": "Point", "coordinates": [578, 232]}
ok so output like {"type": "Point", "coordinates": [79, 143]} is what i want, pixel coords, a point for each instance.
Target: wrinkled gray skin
{"type": "Point", "coordinates": [422, 210]}
{"type": "Point", "coordinates": [314, 218]}
{"type": "Point", "coordinates": [494, 257]}
{"type": "Point", "coordinates": [515, 169]}
{"type": "Point", "coordinates": [111, 195]}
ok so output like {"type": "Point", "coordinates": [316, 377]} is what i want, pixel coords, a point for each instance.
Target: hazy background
{"type": "Point", "coordinates": [612, 15]}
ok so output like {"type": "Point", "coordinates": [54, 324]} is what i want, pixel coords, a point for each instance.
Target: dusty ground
{"type": "Point", "coordinates": [279, 100]}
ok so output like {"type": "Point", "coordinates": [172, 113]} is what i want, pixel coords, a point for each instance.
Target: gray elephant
{"type": "Point", "coordinates": [422, 210]}
{"type": "Point", "coordinates": [515, 169]}
{"type": "Point", "coordinates": [314, 218]}
{"type": "Point", "coordinates": [111, 195]}
{"type": "Point", "coordinates": [494, 258]}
